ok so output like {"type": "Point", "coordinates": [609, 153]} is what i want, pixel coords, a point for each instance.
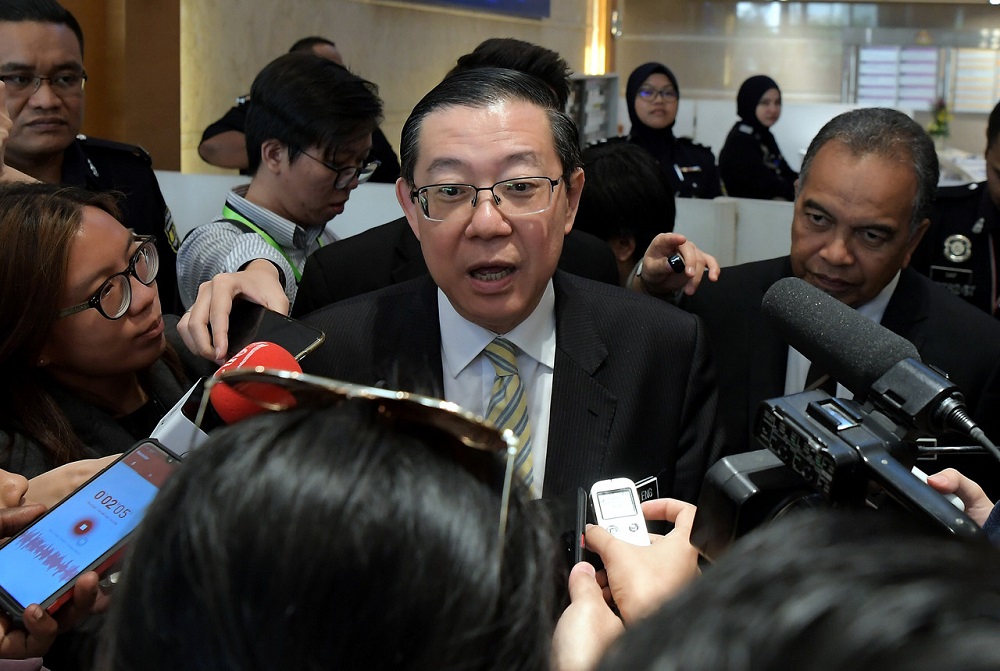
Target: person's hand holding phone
{"type": "Point", "coordinates": [40, 628]}
{"type": "Point", "coordinates": [638, 579]}
{"type": "Point", "coordinates": [205, 326]}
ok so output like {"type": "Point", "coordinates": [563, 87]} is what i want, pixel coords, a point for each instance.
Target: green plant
{"type": "Point", "coordinates": [940, 119]}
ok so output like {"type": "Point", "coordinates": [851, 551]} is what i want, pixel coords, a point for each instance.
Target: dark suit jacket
{"type": "Point", "coordinates": [751, 357]}
{"type": "Point", "coordinates": [633, 391]}
{"type": "Point", "coordinates": [390, 253]}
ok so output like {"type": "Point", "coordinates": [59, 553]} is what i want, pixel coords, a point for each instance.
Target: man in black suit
{"type": "Point", "coordinates": [868, 180]}
{"type": "Point", "coordinates": [617, 384]}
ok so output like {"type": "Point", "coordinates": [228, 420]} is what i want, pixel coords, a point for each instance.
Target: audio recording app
{"type": "Point", "coordinates": [78, 531]}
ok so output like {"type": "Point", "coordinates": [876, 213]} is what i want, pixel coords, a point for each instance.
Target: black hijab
{"type": "Point", "coordinates": [657, 141]}
{"type": "Point", "coordinates": [751, 91]}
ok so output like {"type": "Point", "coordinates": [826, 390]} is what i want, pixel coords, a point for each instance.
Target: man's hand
{"type": "Point", "coordinates": [977, 505]}
{"type": "Point", "coordinates": [638, 579]}
{"type": "Point", "coordinates": [587, 627]}
{"type": "Point", "coordinates": [53, 486]}
{"type": "Point", "coordinates": [258, 282]}
{"type": "Point", "coordinates": [658, 278]}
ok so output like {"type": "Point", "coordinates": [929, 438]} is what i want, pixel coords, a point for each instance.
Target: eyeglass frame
{"type": "Point", "coordinates": [38, 79]}
{"type": "Point", "coordinates": [338, 182]}
{"type": "Point", "coordinates": [419, 194]}
{"type": "Point", "coordinates": [434, 413]}
{"type": "Point", "coordinates": [652, 94]}
{"type": "Point", "coordinates": [95, 300]}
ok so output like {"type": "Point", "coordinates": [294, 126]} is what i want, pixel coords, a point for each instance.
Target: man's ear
{"type": "Point", "coordinates": [574, 187]}
{"type": "Point", "coordinates": [623, 246]}
{"type": "Point", "coordinates": [409, 205]}
{"type": "Point", "coordinates": [914, 240]}
{"type": "Point", "coordinates": [273, 154]}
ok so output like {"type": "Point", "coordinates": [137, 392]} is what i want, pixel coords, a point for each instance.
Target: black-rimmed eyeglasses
{"type": "Point", "coordinates": [344, 176]}
{"type": "Point", "coordinates": [114, 297]}
{"type": "Point", "coordinates": [456, 202]}
{"type": "Point", "coordinates": [66, 84]}
{"type": "Point", "coordinates": [649, 93]}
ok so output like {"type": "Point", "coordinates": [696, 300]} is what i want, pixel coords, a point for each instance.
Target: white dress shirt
{"type": "Point", "coordinates": [469, 376]}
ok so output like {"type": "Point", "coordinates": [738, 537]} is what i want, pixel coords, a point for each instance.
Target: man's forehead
{"type": "Point", "coordinates": [23, 42]}
{"type": "Point", "coordinates": [520, 130]}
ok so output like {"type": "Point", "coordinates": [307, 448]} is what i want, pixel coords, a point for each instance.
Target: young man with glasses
{"type": "Point", "coordinates": [309, 136]}
{"type": "Point", "coordinates": [41, 67]}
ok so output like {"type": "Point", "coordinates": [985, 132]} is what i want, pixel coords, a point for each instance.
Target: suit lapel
{"type": "Point", "coordinates": [581, 409]}
{"type": "Point", "coordinates": [766, 349]}
{"type": "Point", "coordinates": [407, 322]}
{"type": "Point", "coordinates": [409, 260]}
{"type": "Point", "coordinates": [907, 309]}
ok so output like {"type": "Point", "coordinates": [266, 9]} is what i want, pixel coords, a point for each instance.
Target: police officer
{"type": "Point", "coordinates": [652, 96]}
{"type": "Point", "coordinates": [959, 250]}
{"type": "Point", "coordinates": [41, 66]}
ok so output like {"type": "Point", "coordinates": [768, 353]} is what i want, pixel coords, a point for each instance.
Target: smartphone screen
{"type": "Point", "coordinates": [249, 322]}
{"type": "Point", "coordinates": [43, 561]}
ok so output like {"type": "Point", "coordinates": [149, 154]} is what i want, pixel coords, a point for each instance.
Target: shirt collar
{"type": "Point", "coordinates": [285, 232]}
{"type": "Point", "coordinates": [462, 341]}
{"type": "Point", "coordinates": [875, 308]}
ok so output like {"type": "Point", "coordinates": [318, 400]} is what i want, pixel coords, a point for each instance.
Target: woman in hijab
{"type": "Point", "coordinates": [750, 162]}
{"type": "Point", "coordinates": [652, 95]}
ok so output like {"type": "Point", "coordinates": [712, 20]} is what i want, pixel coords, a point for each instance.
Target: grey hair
{"type": "Point", "coordinates": [887, 133]}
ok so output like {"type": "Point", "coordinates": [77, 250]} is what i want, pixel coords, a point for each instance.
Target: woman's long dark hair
{"type": "Point", "coordinates": [328, 539]}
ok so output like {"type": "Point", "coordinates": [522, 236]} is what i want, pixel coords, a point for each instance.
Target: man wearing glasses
{"type": "Point", "coordinates": [309, 136]}
{"type": "Point", "coordinates": [490, 184]}
{"type": "Point", "coordinates": [41, 67]}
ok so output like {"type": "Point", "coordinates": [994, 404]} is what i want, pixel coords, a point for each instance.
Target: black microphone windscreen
{"type": "Point", "coordinates": [855, 350]}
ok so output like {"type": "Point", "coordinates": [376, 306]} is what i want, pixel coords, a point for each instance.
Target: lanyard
{"type": "Point", "coordinates": [232, 214]}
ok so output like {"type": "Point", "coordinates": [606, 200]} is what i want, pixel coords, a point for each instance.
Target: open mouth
{"type": "Point", "coordinates": [491, 273]}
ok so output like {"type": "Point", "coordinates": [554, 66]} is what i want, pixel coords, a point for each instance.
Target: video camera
{"type": "Point", "coordinates": [821, 451]}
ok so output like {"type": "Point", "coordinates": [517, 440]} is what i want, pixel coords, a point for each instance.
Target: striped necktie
{"type": "Point", "coordinates": [508, 407]}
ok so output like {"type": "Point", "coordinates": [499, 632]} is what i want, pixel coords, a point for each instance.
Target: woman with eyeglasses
{"type": "Point", "coordinates": [652, 96]}
{"type": "Point", "coordinates": [85, 364]}
{"type": "Point", "coordinates": [750, 162]}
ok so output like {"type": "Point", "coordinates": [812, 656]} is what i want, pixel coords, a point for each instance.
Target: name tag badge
{"type": "Point", "coordinates": [648, 489]}
{"type": "Point", "coordinates": [956, 280]}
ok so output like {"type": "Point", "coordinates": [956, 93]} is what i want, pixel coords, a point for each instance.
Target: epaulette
{"type": "Point", "coordinates": [960, 192]}
{"type": "Point", "coordinates": [745, 128]}
{"type": "Point", "coordinates": [101, 144]}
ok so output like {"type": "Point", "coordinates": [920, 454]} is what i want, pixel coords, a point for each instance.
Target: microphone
{"type": "Point", "coordinates": [877, 365]}
{"type": "Point", "coordinates": [233, 404]}
{"type": "Point", "coordinates": [178, 431]}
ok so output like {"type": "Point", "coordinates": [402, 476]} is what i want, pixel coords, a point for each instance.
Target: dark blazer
{"type": "Point", "coordinates": [633, 391]}
{"type": "Point", "coordinates": [751, 357]}
{"type": "Point", "coordinates": [390, 253]}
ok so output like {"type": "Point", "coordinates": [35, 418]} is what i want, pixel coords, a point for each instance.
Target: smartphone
{"type": "Point", "coordinates": [86, 531]}
{"type": "Point", "coordinates": [616, 507]}
{"type": "Point", "coordinates": [250, 322]}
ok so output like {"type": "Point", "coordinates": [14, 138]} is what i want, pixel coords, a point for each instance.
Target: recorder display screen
{"type": "Point", "coordinates": [616, 503]}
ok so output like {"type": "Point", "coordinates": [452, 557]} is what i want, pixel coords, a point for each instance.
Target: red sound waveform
{"type": "Point", "coordinates": [51, 558]}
